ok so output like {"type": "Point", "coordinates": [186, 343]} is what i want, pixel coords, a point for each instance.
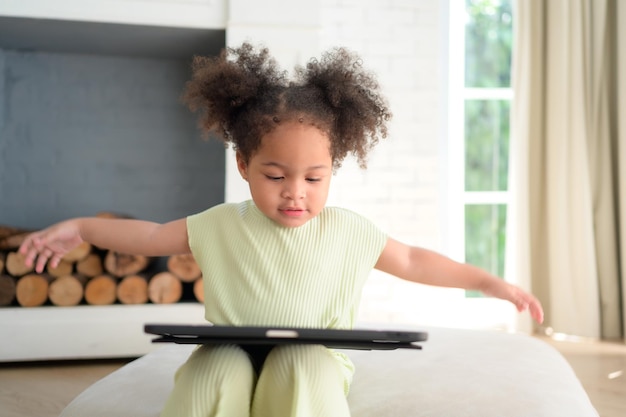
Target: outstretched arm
{"type": "Point", "coordinates": [427, 267]}
{"type": "Point", "coordinates": [122, 235]}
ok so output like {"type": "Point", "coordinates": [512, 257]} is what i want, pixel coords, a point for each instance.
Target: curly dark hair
{"type": "Point", "coordinates": [242, 95]}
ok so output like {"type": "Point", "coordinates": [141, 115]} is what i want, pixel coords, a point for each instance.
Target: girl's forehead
{"type": "Point", "coordinates": [295, 134]}
{"type": "Point", "coordinates": [295, 142]}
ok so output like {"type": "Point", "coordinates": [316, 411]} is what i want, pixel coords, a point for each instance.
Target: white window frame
{"type": "Point", "coordinates": [482, 312]}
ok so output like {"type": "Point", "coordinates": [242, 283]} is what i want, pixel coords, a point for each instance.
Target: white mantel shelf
{"type": "Point", "coordinates": [86, 332]}
{"type": "Point", "coordinates": [200, 14]}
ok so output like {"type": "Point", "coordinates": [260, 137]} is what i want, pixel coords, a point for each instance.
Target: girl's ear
{"type": "Point", "coordinates": [242, 166]}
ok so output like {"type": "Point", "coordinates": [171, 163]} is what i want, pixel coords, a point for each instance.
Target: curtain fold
{"type": "Point", "coordinates": [568, 161]}
{"type": "Point", "coordinates": [620, 118]}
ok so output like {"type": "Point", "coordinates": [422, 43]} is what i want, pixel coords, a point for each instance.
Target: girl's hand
{"type": "Point", "coordinates": [520, 298]}
{"type": "Point", "coordinates": [51, 244]}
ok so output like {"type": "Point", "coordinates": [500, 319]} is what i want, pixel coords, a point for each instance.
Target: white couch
{"type": "Point", "coordinates": [459, 373]}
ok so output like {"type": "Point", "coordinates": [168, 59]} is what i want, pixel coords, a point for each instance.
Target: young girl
{"type": "Point", "coordinates": [283, 258]}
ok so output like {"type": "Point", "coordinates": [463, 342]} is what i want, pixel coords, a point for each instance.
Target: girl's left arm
{"type": "Point", "coordinates": [427, 267]}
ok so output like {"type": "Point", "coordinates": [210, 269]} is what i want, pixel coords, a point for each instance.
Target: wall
{"type": "Point", "coordinates": [402, 190]}
{"type": "Point", "coordinates": [403, 187]}
{"type": "Point", "coordinates": [86, 133]}
{"type": "Point", "coordinates": [399, 42]}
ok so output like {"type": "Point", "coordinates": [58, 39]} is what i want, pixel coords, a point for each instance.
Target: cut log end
{"type": "Point", "coordinates": [165, 288]}
{"type": "Point", "coordinates": [67, 290]}
{"type": "Point", "coordinates": [12, 237]}
{"type": "Point", "coordinates": [184, 266]}
{"type": "Point", "coordinates": [63, 268]}
{"type": "Point", "coordinates": [15, 264]}
{"type": "Point", "coordinates": [80, 252]}
{"type": "Point", "coordinates": [91, 266]}
{"type": "Point", "coordinates": [7, 231]}
{"type": "Point", "coordinates": [121, 264]}
{"type": "Point", "coordinates": [132, 289]}
{"type": "Point", "coordinates": [7, 290]}
{"type": "Point", "coordinates": [13, 242]}
{"type": "Point", "coordinates": [32, 290]}
{"type": "Point", "coordinates": [101, 290]}
{"type": "Point", "coordinates": [198, 290]}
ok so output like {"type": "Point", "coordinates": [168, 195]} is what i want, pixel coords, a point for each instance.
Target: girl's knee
{"type": "Point", "coordinates": [314, 362]}
{"type": "Point", "coordinates": [301, 380]}
{"type": "Point", "coordinates": [220, 364]}
{"type": "Point", "coordinates": [215, 381]}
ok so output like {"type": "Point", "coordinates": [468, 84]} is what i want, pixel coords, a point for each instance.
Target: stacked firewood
{"type": "Point", "coordinates": [89, 275]}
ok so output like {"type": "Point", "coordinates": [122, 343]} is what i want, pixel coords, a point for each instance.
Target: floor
{"type": "Point", "coordinates": [44, 389]}
{"type": "Point", "coordinates": [601, 368]}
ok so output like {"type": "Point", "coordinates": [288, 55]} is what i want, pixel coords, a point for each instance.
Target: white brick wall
{"type": "Point", "coordinates": [403, 175]}
{"type": "Point", "coordinates": [402, 189]}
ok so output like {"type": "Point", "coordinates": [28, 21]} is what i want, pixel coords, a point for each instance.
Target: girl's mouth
{"type": "Point", "coordinates": [293, 212]}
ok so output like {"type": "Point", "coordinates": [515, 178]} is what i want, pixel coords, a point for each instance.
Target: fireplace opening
{"type": "Point", "coordinates": [91, 122]}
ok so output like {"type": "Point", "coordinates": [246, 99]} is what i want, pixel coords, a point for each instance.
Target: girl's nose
{"type": "Point", "coordinates": [294, 190]}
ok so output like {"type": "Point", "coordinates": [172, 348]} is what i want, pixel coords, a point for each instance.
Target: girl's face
{"type": "Point", "coordinates": [289, 175]}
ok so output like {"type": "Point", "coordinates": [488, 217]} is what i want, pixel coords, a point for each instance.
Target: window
{"type": "Point", "coordinates": [481, 45]}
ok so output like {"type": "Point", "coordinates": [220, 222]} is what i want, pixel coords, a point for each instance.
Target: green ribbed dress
{"type": "Point", "coordinates": [257, 272]}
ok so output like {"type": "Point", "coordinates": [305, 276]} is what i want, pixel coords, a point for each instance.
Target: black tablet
{"type": "Point", "coordinates": [249, 335]}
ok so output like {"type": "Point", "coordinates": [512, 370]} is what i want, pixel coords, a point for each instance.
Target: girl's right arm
{"type": "Point", "coordinates": [121, 235]}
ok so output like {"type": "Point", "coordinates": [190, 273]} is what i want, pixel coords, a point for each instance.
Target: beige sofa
{"type": "Point", "coordinates": [459, 373]}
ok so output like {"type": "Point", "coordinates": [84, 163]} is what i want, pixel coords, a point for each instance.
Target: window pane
{"type": "Point", "coordinates": [488, 42]}
{"type": "Point", "coordinates": [486, 145]}
{"type": "Point", "coordinates": [485, 238]}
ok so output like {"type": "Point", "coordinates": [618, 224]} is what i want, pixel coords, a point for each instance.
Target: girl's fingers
{"type": "Point", "coordinates": [30, 257]}
{"type": "Point", "coordinates": [30, 254]}
{"type": "Point", "coordinates": [37, 252]}
{"type": "Point", "coordinates": [537, 313]}
{"type": "Point", "coordinates": [55, 260]}
{"type": "Point", "coordinates": [27, 246]}
{"type": "Point", "coordinates": [42, 259]}
{"type": "Point", "coordinates": [530, 303]}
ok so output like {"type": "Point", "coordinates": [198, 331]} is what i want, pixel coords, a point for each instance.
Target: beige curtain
{"type": "Point", "coordinates": [568, 149]}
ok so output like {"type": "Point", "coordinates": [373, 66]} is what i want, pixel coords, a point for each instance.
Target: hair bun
{"type": "Point", "coordinates": [221, 86]}
{"type": "Point", "coordinates": [353, 94]}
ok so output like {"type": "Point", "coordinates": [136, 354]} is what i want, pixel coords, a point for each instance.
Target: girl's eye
{"type": "Point", "coordinates": [313, 179]}
{"type": "Point", "coordinates": [269, 177]}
